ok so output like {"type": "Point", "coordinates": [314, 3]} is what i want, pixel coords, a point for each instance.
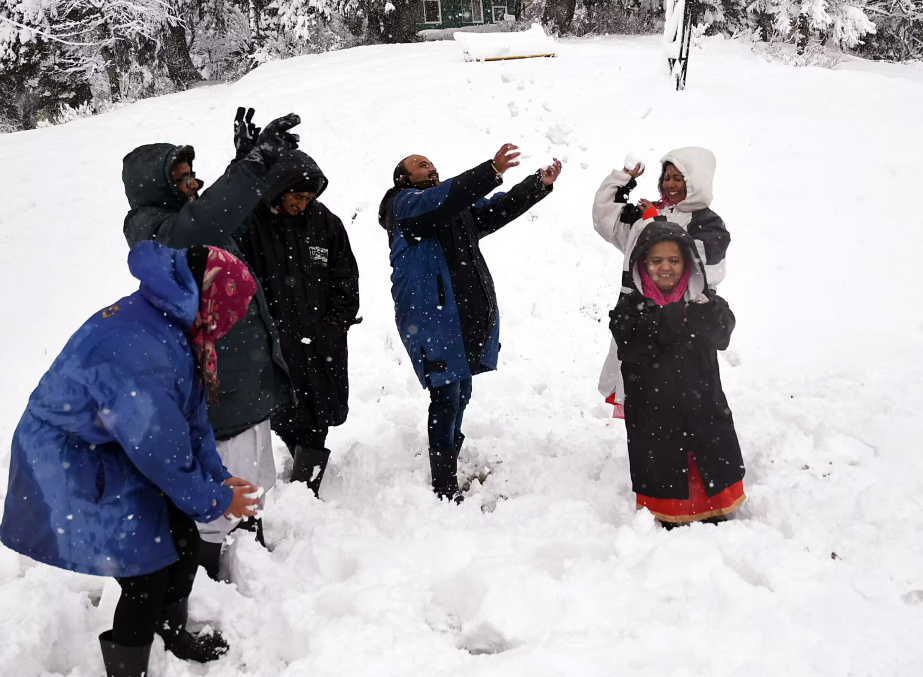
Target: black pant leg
{"type": "Point", "coordinates": [189, 547]}
{"type": "Point", "coordinates": [313, 438]}
{"type": "Point", "coordinates": [143, 597]}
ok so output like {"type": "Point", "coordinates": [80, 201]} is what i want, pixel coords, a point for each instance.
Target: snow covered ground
{"type": "Point", "coordinates": [546, 570]}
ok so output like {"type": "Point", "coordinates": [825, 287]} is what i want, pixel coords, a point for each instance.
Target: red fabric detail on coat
{"type": "Point", "coordinates": [619, 409]}
{"type": "Point", "coordinates": [650, 290]}
{"type": "Point", "coordinates": [698, 505]}
{"type": "Point", "coordinates": [227, 289]}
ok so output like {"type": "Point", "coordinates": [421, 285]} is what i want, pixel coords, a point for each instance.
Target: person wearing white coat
{"type": "Point", "coordinates": [686, 191]}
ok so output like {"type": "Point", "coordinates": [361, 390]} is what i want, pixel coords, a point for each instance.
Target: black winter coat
{"type": "Point", "coordinates": [674, 402]}
{"type": "Point", "coordinates": [311, 279]}
{"type": "Point", "coordinates": [253, 380]}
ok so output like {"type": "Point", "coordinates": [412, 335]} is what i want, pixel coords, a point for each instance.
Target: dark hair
{"type": "Point", "coordinates": [197, 260]}
{"type": "Point", "coordinates": [401, 176]}
{"type": "Point", "coordinates": [683, 247]}
{"type": "Point", "coordinates": [183, 154]}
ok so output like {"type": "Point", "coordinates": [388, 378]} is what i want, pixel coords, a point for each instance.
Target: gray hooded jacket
{"type": "Point", "coordinates": [252, 375]}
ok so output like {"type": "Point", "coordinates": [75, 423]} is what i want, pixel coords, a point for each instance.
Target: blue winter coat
{"type": "Point", "coordinates": [445, 304]}
{"type": "Point", "coordinates": [115, 428]}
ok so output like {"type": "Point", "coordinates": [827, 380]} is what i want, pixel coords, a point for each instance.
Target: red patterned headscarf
{"type": "Point", "coordinates": [227, 289]}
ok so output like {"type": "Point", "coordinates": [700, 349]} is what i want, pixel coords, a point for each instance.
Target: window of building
{"type": "Point", "coordinates": [499, 13]}
{"type": "Point", "coordinates": [475, 12]}
{"type": "Point", "coordinates": [432, 11]}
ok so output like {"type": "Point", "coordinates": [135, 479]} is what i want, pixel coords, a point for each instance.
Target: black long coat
{"type": "Point", "coordinates": [674, 402]}
{"type": "Point", "coordinates": [311, 280]}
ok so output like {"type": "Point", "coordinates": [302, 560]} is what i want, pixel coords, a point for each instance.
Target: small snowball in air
{"type": "Point", "coordinates": [306, 341]}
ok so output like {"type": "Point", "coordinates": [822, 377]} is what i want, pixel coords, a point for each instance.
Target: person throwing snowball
{"type": "Point", "coordinates": [444, 299]}
{"type": "Point", "coordinates": [685, 187]}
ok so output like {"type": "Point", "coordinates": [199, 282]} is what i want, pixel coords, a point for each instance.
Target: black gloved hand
{"type": "Point", "coordinates": [245, 132]}
{"type": "Point", "coordinates": [275, 139]}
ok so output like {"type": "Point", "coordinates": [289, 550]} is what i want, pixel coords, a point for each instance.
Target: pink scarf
{"type": "Point", "coordinates": [651, 291]}
{"type": "Point", "coordinates": [227, 290]}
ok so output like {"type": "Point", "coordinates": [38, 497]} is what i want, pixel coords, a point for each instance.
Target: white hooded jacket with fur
{"type": "Point", "coordinates": [619, 223]}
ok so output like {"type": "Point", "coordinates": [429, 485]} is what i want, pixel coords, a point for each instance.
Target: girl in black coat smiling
{"type": "Point", "coordinates": [685, 459]}
{"type": "Point", "coordinates": [300, 252]}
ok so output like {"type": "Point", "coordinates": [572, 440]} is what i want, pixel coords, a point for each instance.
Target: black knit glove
{"type": "Point", "coordinates": [245, 132]}
{"type": "Point", "coordinates": [275, 139]}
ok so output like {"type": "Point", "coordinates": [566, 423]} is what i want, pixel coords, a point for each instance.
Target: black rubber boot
{"type": "Point", "coordinates": [444, 466]}
{"type": "Point", "coordinates": [124, 661]}
{"type": "Point", "coordinates": [182, 643]}
{"type": "Point", "coordinates": [210, 559]}
{"type": "Point", "coordinates": [309, 466]}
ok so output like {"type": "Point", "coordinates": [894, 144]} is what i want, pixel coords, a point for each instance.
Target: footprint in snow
{"type": "Point", "coordinates": [484, 639]}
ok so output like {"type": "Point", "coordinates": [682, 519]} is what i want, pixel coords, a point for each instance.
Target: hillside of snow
{"type": "Point", "coordinates": [546, 570]}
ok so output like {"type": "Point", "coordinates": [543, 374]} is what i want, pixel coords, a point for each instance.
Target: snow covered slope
{"type": "Point", "coordinates": [546, 570]}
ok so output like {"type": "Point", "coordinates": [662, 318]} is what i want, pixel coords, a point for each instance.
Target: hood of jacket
{"type": "Point", "coordinates": [657, 230]}
{"type": "Point", "coordinates": [167, 283]}
{"type": "Point", "coordinates": [697, 165]}
{"type": "Point", "coordinates": [146, 175]}
{"type": "Point", "coordinates": [293, 166]}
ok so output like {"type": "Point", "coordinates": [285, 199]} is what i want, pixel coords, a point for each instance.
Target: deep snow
{"type": "Point", "coordinates": [546, 569]}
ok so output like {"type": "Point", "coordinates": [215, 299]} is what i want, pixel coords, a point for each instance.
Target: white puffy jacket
{"type": "Point", "coordinates": [620, 224]}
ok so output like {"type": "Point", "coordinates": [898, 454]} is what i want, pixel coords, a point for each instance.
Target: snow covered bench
{"type": "Point", "coordinates": [500, 46]}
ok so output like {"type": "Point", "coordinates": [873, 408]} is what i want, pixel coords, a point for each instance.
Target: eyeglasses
{"type": "Point", "coordinates": [188, 180]}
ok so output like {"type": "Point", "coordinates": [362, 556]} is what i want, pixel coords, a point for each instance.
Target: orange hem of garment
{"type": "Point", "coordinates": [695, 518]}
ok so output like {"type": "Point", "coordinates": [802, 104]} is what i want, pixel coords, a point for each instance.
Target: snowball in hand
{"type": "Point", "coordinates": [632, 160]}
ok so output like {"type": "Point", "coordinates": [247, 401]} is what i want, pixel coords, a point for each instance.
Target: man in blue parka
{"type": "Point", "coordinates": [114, 457]}
{"type": "Point", "coordinates": [444, 299]}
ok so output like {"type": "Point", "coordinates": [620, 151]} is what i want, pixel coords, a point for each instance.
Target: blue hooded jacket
{"type": "Point", "coordinates": [116, 427]}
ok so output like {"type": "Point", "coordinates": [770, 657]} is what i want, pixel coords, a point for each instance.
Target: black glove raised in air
{"type": "Point", "coordinates": [275, 139]}
{"type": "Point", "coordinates": [245, 132]}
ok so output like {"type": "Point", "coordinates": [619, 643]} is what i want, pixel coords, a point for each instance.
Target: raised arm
{"type": "Point", "coordinates": [612, 215]}
{"type": "Point", "coordinates": [491, 215]}
{"type": "Point", "coordinates": [420, 213]}
{"type": "Point", "coordinates": [210, 220]}
{"type": "Point", "coordinates": [221, 210]}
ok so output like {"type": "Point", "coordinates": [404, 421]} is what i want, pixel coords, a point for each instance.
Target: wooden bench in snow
{"type": "Point", "coordinates": [528, 44]}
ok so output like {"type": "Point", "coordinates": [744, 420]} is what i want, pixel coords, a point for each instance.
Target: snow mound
{"type": "Point", "coordinates": [499, 46]}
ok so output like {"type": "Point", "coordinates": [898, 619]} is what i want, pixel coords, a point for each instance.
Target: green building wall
{"type": "Point", "coordinates": [456, 13]}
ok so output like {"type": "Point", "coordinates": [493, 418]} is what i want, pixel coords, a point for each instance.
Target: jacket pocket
{"type": "Point", "coordinates": [330, 341]}
{"type": "Point", "coordinates": [440, 288]}
{"type": "Point", "coordinates": [84, 474]}
{"type": "Point", "coordinates": [432, 365]}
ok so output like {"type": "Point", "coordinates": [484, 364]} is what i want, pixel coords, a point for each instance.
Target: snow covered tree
{"type": "Point", "coordinates": [840, 23]}
{"type": "Point", "coordinates": [898, 30]}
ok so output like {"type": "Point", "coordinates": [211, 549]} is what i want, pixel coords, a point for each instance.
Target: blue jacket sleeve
{"type": "Point", "coordinates": [420, 213]}
{"type": "Point", "coordinates": [146, 420]}
{"type": "Point", "coordinates": [503, 208]}
{"type": "Point", "coordinates": [202, 438]}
